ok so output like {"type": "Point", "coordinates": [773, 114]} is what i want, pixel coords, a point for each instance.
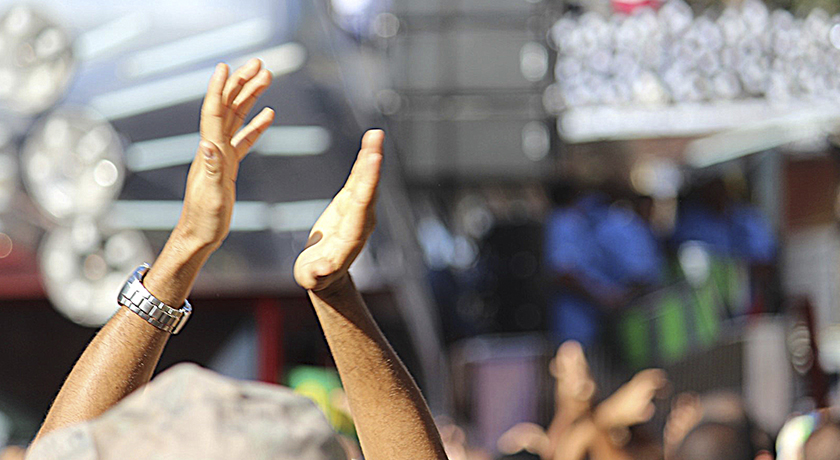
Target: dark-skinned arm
{"type": "Point", "coordinates": [123, 355]}
{"type": "Point", "coordinates": [391, 416]}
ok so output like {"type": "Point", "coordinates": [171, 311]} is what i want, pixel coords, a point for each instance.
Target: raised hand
{"type": "Point", "coordinates": [344, 227]}
{"type": "Point", "coordinates": [633, 404]}
{"type": "Point", "coordinates": [575, 388]}
{"type": "Point", "coordinates": [123, 355]}
{"type": "Point", "coordinates": [403, 429]}
{"type": "Point", "coordinates": [686, 413]}
{"type": "Point", "coordinates": [525, 436]}
{"type": "Point", "coordinates": [211, 184]}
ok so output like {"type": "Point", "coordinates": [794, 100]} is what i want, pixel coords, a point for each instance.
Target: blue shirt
{"type": "Point", "coordinates": [608, 247]}
{"type": "Point", "coordinates": [742, 232]}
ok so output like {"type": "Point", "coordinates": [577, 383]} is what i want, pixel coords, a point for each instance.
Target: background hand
{"type": "Point", "coordinates": [341, 232]}
{"type": "Point", "coordinates": [574, 389]}
{"type": "Point", "coordinates": [686, 413]}
{"type": "Point", "coordinates": [633, 404]}
{"type": "Point", "coordinates": [211, 184]}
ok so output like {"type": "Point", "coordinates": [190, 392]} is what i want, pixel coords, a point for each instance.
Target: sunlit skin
{"type": "Point", "coordinates": [123, 355]}
{"type": "Point", "coordinates": [391, 416]}
{"type": "Point", "coordinates": [579, 428]}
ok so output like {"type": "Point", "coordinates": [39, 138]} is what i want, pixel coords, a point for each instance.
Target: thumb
{"type": "Point", "coordinates": [211, 157]}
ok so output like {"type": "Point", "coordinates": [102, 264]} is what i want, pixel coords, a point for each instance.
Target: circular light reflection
{"type": "Point", "coordinates": [6, 245]}
{"type": "Point", "coordinates": [8, 170]}
{"type": "Point", "coordinates": [533, 61]}
{"type": "Point", "coordinates": [82, 281]}
{"type": "Point", "coordinates": [536, 141]}
{"type": "Point", "coordinates": [386, 25]}
{"type": "Point", "coordinates": [36, 61]}
{"type": "Point", "coordinates": [106, 173]}
{"type": "Point", "coordinates": [670, 56]}
{"type": "Point", "coordinates": [388, 101]}
{"type": "Point", "coordinates": [95, 267]}
{"type": "Point", "coordinates": [834, 36]}
{"type": "Point", "coordinates": [695, 262]}
{"type": "Point", "coordinates": [18, 20]}
{"type": "Point", "coordinates": [73, 164]}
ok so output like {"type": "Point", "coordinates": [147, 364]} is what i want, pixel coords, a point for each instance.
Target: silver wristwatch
{"type": "Point", "coordinates": [138, 299]}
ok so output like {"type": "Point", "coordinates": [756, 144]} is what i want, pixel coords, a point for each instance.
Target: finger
{"type": "Point", "coordinates": [373, 139]}
{"type": "Point", "coordinates": [685, 400]}
{"type": "Point", "coordinates": [249, 71]}
{"type": "Point", "coordinates": [367, 177]}
{"type": "Point", "coordinates": [245, 100]}
{"type": "Point", "coordinates": [648, 412]}
{"type": "Point", "coordinates": [238, 80]}
{"type": "Point", "coordinates": [657, 377]}
{"type": "Point", "coordinates": [245, 139]}
{"type": "Point", "coordinates": [212, 110]}
{"type": "Point", "coordinates": [569, 348]}
{"type": "Point", "coordinates": [359, 213]}
{"type": "Point", "coordinates": [364, 181]}
{"type": "Point", "coordinates": [371, 148]}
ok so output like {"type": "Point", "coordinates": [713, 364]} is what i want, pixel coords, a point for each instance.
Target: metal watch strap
{"type": "Point", "coordinates": [138, 299]}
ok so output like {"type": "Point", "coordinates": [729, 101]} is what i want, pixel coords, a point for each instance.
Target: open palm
{"type": "Point", "coordinates": [211, 184]}
{"type": "Point", "coordinates": [341, 232]}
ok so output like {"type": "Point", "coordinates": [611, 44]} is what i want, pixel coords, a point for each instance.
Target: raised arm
{"type": "Point", "coordinates": [391, 416]}
{"type": "Point", "coordinates": [124, 353]}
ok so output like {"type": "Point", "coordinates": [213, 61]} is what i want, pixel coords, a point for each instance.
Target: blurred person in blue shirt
{"type": "Point", "coordinates": [734, 231]}
{"type": "Point", "coordinates": [598, 254]}
{"type": "Point", "coordinates": [711, 215]}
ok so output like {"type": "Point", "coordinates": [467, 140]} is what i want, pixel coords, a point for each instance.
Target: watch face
{"type": "Point", "coordinates": [84, 269]}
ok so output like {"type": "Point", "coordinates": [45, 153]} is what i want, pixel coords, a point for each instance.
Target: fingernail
{"type": "Point", "coordinates": [219, 68]}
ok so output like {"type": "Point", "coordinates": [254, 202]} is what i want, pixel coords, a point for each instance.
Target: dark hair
{"type": "Point", "coordinates": [716, 441]}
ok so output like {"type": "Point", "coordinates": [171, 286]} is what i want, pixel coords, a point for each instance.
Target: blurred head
{"type": "Point", "coordinates": [823, 444]}
{"type": "Point", "coordinates": [715, 441]}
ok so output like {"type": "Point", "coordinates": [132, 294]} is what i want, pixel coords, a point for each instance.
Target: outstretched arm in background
{"type": "Point", "coordinates": [124, 353]}
{"type": "Point", "coordinates": [391, 416]}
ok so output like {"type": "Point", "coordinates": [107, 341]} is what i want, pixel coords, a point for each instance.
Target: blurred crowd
{"type": "Point", "coordinates": [603, 252]}
{"type": "Point", "coordinates": [711, 426]}
{"type": "Point", "coordinates": [633, 283]}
